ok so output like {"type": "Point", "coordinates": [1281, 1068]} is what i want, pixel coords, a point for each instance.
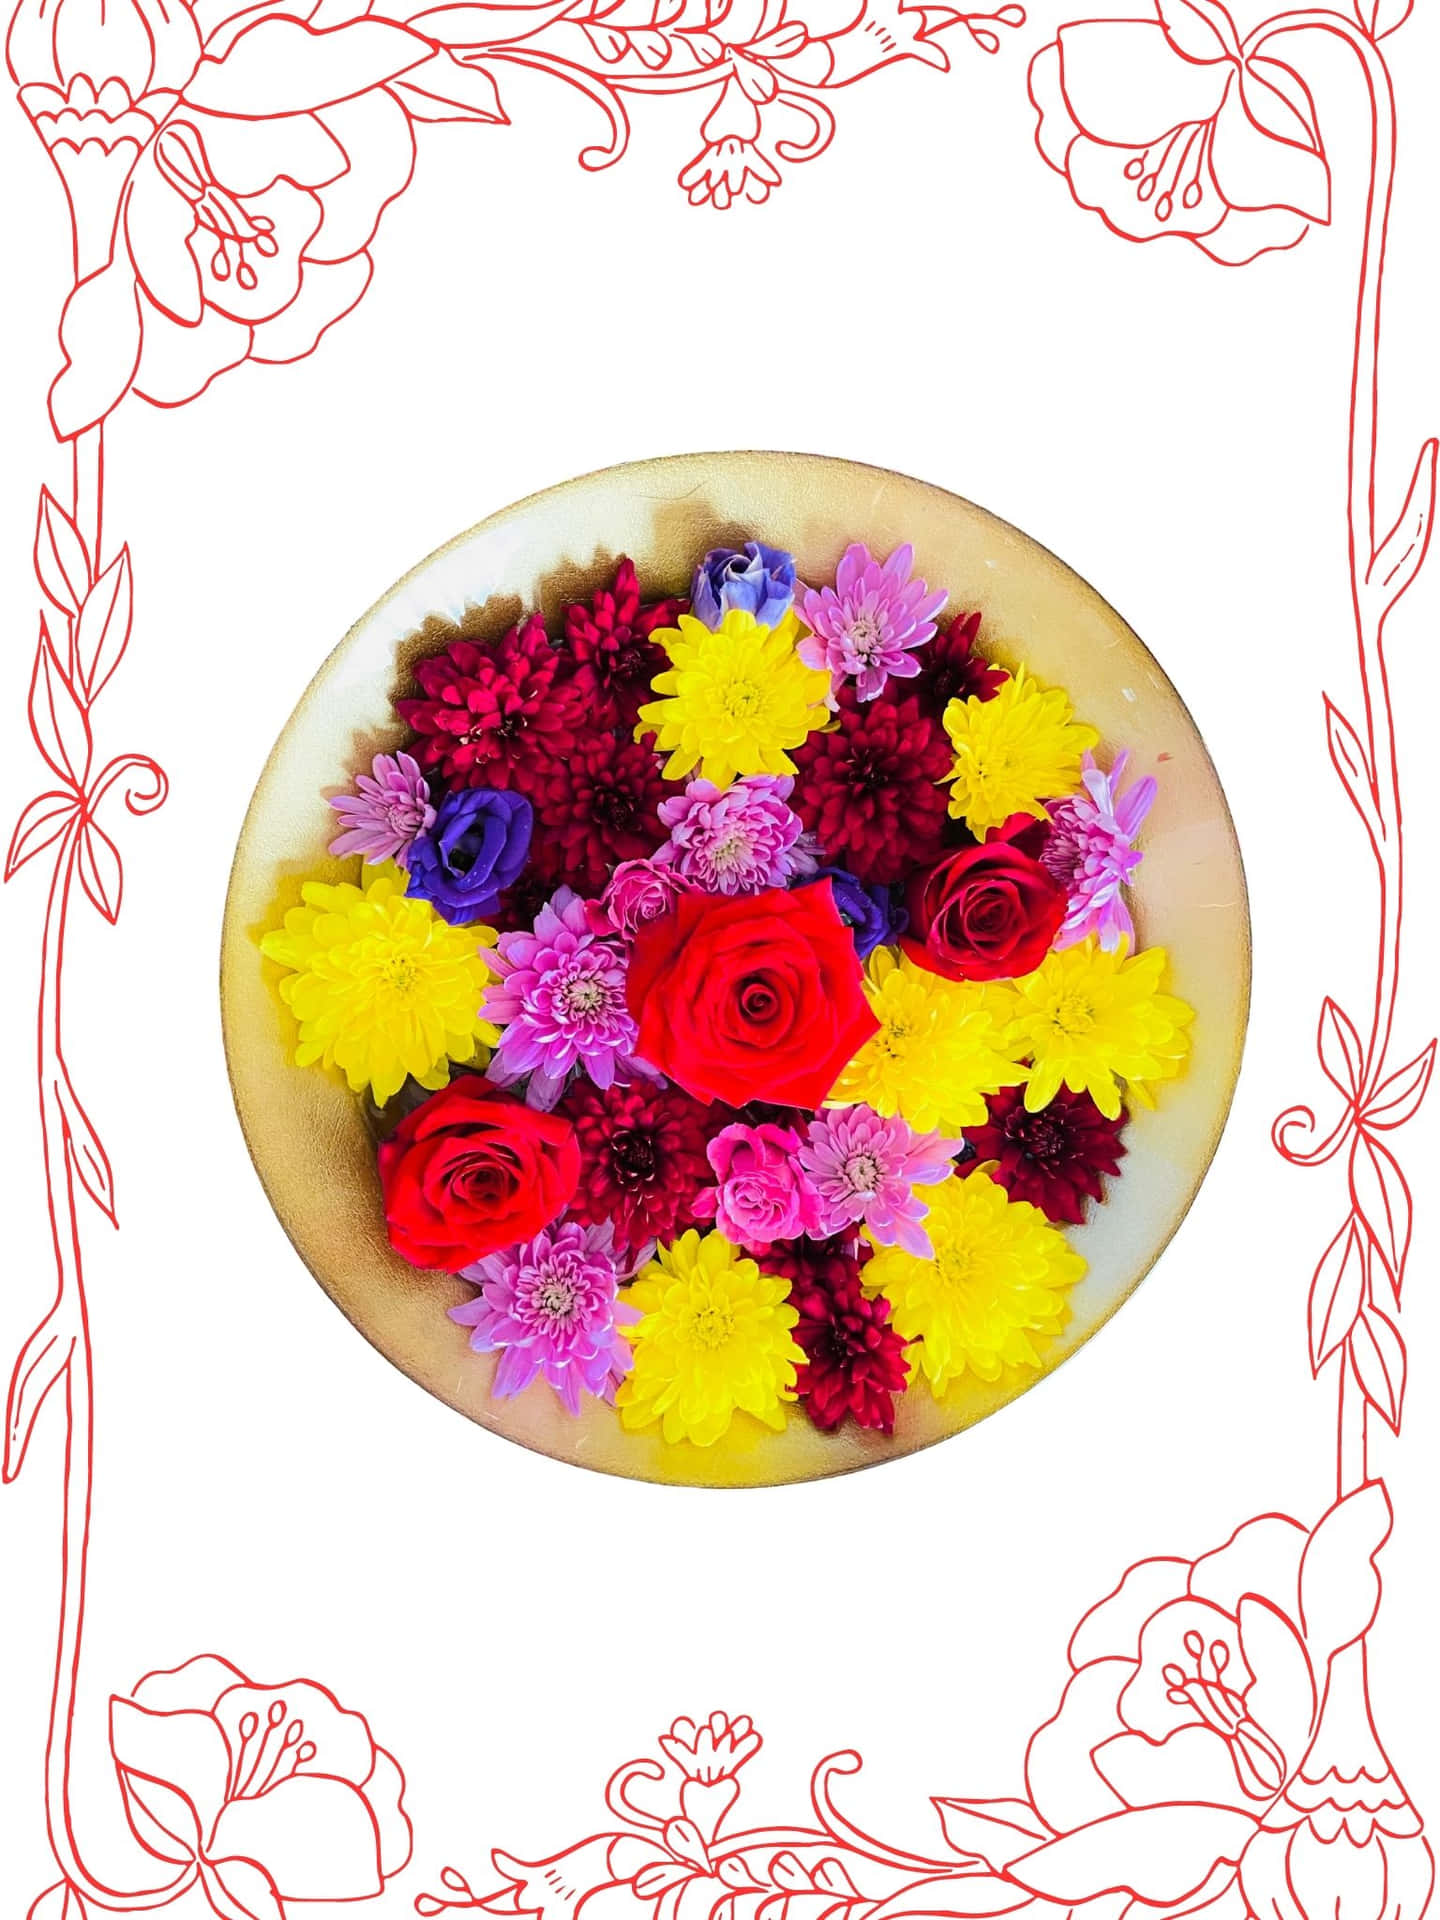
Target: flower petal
{"type": "Point", "coordinates": [1063, 1785]}
{"type": "Point", "coordinates": [178, 362]}
{"type": "Point", "coordinates": [247, 156]}
{"type": "Point", "coordinates": [158, 225]}
{"type": "Point", "coordinates": [198, 1683]}
{"type": "Point", "coordinates": [1262, 1556]}
{"type": "Point", "coordinates": [184, 1750]}
{"type": "Point", "coordinates": [1254, 170]}
{"type": "Point", "coordinates": [1191, 1764]}
{"type": "Point", "coordinates": [376, 138]}
{"type": "Point", "coordinates": [1242, 237]}
{"type": "Point", "coordinates": [384, 1791]}
{"type": "Point", "coordinates": [314, 1835]}
{"type": "Point", "coordinates": [1283, 1699]}
{"type": "Point", "coordinates": [327, 293]}
{"type": "Point", "coordinates": [1125, 83]}
{"type": "Point", "coordinates": [1112, 1628]}
{"type": "Point", "coordinates": [341, 1738]}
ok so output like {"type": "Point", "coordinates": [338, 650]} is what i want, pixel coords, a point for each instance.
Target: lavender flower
{"type": "Point", "coordinates": [868, 624]}
{"type": "Point", "coordinates": [863, 1167]}
{"type": "Point", "coordinates": [874, 915]}
{"type": "Point", "coordinates": [741, 839]}
{"type": "Point", "coordinates": [1091, 851]}
{"type": "Point", "coordinates": [389, 807]}
{"type": "Point", "coordinates": [475, 849]}
{"type": "Point", "coordinates": [560, 1002]}
{"type": "Point", "coordinates": [757, 579]}
{"type": "Point", "coordinates": [549, 1309]}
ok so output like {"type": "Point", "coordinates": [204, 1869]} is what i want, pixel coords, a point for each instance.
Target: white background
{"type": "Point", "coordinates": [925, 297]}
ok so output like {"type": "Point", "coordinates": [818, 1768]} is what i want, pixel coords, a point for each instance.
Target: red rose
{"type": "Point", "coordinates": [988, 912]}
{"type": "Point", "coordinates": [472, 1170]}
{"type": "Point", "coordinates": [755, 998]}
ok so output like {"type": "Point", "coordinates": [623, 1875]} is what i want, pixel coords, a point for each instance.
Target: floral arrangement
{"type": "Point", "coordinates": [745, 993]}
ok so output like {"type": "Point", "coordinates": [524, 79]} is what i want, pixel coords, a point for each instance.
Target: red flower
{"type": "Point", "coordinates": [472, 1170]}
{"type": "Point", "coordinates": [988, 912]}
{"type": "Point", "coordinates": [950, 668]}
{"type": "Point", "coordinates": [750, 998]}
{"type": "Point", "coordinates": [599, 805]}
{"type": "Point", "coordinates": [491, 716]}
{"type": "Point", "coordinates": [870, 789]}
{"type": "Point", "coordinates": [642, 1157]}
{"type": "Point", "coordinates": [609, 642]}
{"type": "Point", "coordinates": [1052, 1158]}
{"type": "Point", "coordinates": [854, 1359]}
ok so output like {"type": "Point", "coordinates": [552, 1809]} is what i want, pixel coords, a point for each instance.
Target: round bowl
{"type": "Point", "coordinates": [308, 1134]}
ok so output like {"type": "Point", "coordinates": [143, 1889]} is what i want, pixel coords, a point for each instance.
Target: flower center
{"type": "Point", "coordinates": [634, 1158]}
{"type": "Point", "coordinates": [711, 1327]}
{"type": "Point", "coordinates": [864, 635]}
{"type": "Point", "coordinates": [1259, 1762]}
{"type": "Point", "coordinates": [267, 1756]}
{"type": "Point", "coordinates": [1040, 1136]}
{"type": "Point", "coordinates": [956, 1265]}
{"type": "Point", "coordinates": [862, 1173]}
{"type": "Point", "coordinates": [1073, 1014]}
{"type": "Point", "coordinates": [585, 994]}
{"type": "Point", "coordinates": [731, 850]}
{"type": "Point", "coordinates": [740, 699]}
{"type": "Point", "coordinates": [180, 157]}
{"type": "Point", "coordinates": [1173, 164]}
{"type": "Point", "coordinates": [401, 973]}
{"type": "Point", "coordinates": [555, 1298]}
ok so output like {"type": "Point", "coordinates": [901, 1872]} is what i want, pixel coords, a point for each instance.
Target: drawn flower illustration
{"type": "Point", "coordinates": [1176, 126]}
{"type": "Point", "coordinates": [1213, 1740]}
{"type": "Point", "coordinates": [267, 1793]}
{"type": "Point", "coordinates": [242, 182]}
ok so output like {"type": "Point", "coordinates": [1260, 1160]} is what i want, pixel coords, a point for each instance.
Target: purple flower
{"type": "Point", "coordinates": [757, 579]}
{"type": "Point", "coordinates": [1091, 851]}
{"type": "Point", "coordinates": [862, 1167]}
{"type": "Point", "coordinates": [874, 915]}
{"type": "Point", "coordinates": [739, 839]}
{"type": "Point", "coordinates": [867, 625]}
{"type": "Point", "coordinates": [641, 890]}
{"type": "Point", "coordinates": [758, 1197]}
{"type": "Point", "coordinates": [549, 1308]}
{"type": "Point", "coordinates": [476, 847]}
{"type": "Point", "coordinates": [389, 807]}
{"type": "Point", "coordinates": [560, 1001]}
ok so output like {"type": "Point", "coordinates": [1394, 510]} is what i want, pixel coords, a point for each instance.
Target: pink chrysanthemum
{"type": "Point", "coordinates": [1091, 851]}
{"type": "Point", "coordinates": [549, 1308]}
{"type": "Point", "coordinates": [862, 1167]}
{"type": "Point", "coordinates": [868, 624]}
{"type": "Point", "coordinates": [388, 810]}
{"type": "Point", "coordinates": [742, 839]}
{"type": "Point", "coordinates": [560, 1002]}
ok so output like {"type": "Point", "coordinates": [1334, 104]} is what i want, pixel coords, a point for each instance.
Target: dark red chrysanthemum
{"type": "Point", "coordinates": [490, 715]}
{"type": "Point", "coordinates": [869, 790]}
{"type": "Point", "coordinates": [609, 642]}
{"type": "Point", "coordinates": [1053, 1158]}
{"type": "Point", "coordinates": [854, 1359]}
{"type": "Point", "coordinates": [520, 904]}
{"type": "Point", "coordinates": [834, 1263]}
{"type": "Point", "coordinates": [642, 1156]}
{"type": "Point", "coordinates": [950, 668]}
{"type": "Point", "coordinates": [596, 806]}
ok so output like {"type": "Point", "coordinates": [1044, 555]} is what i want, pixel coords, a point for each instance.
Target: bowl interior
{"type": "Point", "coordinates": [307, 1133]}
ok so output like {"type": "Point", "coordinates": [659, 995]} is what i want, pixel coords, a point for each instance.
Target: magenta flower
{"type": "Point", "coordinates": [549, 1308]}
{"type": "Point", "coordinates": [641, 890]}
{"type": "Point", "coordinates": [1091, 851]}
{"type": "Point", "coordinates": [742, 839]}
{"type": "Point", "coordinates": [560, 1002]}
{"type": "Point", "coordinates": [862, 1167]}
{"type": "Point", "coordinates": [869, 623]}
{"type": "Point", "coordinates": [759, 1196]}
{"type": "Point", "coordinates": [388, 811]}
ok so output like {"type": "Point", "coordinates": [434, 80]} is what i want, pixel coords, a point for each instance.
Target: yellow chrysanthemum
{"type": "Point", "coordinates": [737, 698]}
{"type": "Point", "coordinates": [714, 1339]}
{"type": "Point", "coordinates": [1013, 752]}
{"type": "Point", "coordinates": [942, 1046]}
{"type": "Point", "coordinates": [1091, 1019]}
{"type": "Point", "coordinates": [995, 1286]}
{"type": "Point", "coordinates": [381, 985]}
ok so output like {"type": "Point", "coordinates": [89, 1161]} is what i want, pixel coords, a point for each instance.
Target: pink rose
{"type": "Point", "coordinates": [640, 891]}
{"type": "Point", "coordinates": [760, 1195]}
